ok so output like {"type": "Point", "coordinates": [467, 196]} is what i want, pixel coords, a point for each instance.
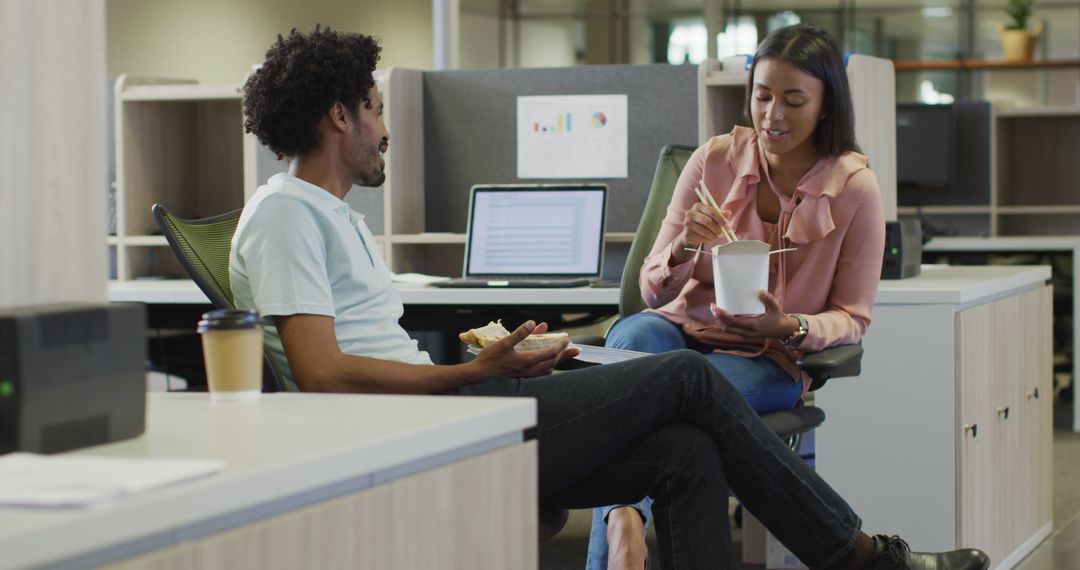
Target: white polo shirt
{"type": "Point", "coordinates": [299, 249]}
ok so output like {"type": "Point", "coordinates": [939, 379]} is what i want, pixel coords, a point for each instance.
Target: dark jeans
{"type": "Point", "coordinates": [669, 426]}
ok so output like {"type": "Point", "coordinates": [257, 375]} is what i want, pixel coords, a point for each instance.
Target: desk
{"type": "Point", "coordinates": [185, 292]}
{"type": "Point", "coordinates": [311, 481]}
{"type": "Point", "coordinates": [177, 304]}
{"type": "Point", "coordinates": [1028, 244]}
{"type": "Point", "coordinates": [953, 348]}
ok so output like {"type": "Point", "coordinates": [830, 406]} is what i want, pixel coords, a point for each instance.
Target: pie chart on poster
{"type": "Point", "coordinates": [599, 119]}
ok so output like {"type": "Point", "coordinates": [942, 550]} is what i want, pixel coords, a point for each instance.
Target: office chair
{"type": "Point", "coordinates": [203, 248]}
{"type": "Point", "coordinates": [833, 362]}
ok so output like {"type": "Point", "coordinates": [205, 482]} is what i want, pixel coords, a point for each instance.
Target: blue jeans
{"type": "Point", "coordinates": [761, 381]}
{"type": "Point", "coordinates": [671, 427]}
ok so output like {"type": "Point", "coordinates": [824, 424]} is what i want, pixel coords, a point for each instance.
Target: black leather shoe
{"type": "Point", "coordinates": [892, 553]}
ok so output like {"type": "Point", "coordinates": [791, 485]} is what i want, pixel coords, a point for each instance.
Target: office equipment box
{"type": "Point", "coordinates": [71, 376]}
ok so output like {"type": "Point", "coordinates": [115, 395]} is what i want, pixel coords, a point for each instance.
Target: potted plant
{"type": "Point", "coordinates": [1016, 40]}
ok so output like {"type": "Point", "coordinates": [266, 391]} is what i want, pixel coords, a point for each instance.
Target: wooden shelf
{"type": "Point", "coordinates": [726, 79]}
{"type": "Point", "coordinates": [1047, 111]}
{"type": "Point", "coordinates": [1066, 209]}
{"type": "Point", "coordinates": [145, 241]}
{"type": "Point", "coordinates": [968, 64]}
{"type": "Point", "coordinates": [1039, 210]}
{"type": "Point", "coordinates": [944, 210]}
{"type": "Point", "coordinates": [450, 238]}
{"type": "Point", "coordinates": [180, 92]}
{"type": "Point", "coordinates": [427, 238]}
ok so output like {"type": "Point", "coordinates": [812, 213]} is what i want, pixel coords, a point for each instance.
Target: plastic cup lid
{"type": "Point", "coordinates": [226, 319]}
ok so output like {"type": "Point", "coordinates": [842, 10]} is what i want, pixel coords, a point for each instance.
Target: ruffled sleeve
{"type": "Point", "coordinates": [812, 217]}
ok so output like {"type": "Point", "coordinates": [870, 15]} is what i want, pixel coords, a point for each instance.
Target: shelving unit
{"type": "Point", "coordinates": [1034, 178]}
{"type": "Point", "coordinates": [720, 106]}
{"type": "Point", "coordinates": [182, 144]}
{"type": "Point", "coordinates": [970, 64]}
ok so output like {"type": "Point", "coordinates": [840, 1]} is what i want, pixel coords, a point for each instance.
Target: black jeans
{"type": "Point", "coordinates": [671, 427]}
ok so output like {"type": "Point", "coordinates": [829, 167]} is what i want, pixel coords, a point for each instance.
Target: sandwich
{"type": "Point", "coordinates": [494, 331]}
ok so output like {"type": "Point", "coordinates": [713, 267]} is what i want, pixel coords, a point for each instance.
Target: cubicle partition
{"type": "Point", "coordinates": [450, 130]}
{"type": "Point", "coordinates": [470, 137]}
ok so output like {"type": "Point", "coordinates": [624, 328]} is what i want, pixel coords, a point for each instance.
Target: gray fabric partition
{"type": "Point", "coordinates": [470, 130]}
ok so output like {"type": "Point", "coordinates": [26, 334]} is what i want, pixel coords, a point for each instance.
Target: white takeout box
{"type": "Point", "coordinates": [740, 270]}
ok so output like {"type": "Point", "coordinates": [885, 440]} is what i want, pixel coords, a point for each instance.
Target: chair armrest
{"type": "Point", "coordinates": [833, 362]}
{"type": "Point", "coordinates": [588, 339]}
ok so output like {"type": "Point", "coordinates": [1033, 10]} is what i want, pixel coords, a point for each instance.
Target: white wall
{"type": "Point", "coordinates": [479, 46]}
{"type": "Point", "coordinates": [547, 43]}
{"type": "Point", "coordinates": [52, 155]}
{"type": "Point", "coordinates": [217, 41]}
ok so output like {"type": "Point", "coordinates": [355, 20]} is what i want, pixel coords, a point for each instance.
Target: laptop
{"type": "Point", "coordinates": [534, 235]}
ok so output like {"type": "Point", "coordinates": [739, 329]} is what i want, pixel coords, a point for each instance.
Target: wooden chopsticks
{"type": "Point", "coordinates": [707, 199]}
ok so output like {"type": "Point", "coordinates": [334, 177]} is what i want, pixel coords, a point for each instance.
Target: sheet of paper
{"type": "Point", "coordinates": [592, 354]}
{"type": "Point", "coordinates": [572, 136]}
{"type": "Point", "coordinates": [416, 278]}
{"type": "Point", "coordinates": [604, 355]}
{"type": "Point", "coordinates": [67, 481]}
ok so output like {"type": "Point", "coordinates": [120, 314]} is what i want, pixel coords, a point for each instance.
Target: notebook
{"type": "Point", "coordinates": [534, 235]}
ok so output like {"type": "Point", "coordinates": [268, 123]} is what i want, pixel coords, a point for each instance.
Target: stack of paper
{"type": "Point", "coordinates": [66, 481]}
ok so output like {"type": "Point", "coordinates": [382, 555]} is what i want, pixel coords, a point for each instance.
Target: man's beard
{"type": "Point", "coordinates": [367, 156]}
{"type": "Point", "coordinates": [371, 179]}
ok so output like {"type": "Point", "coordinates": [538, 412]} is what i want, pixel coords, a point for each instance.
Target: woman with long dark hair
{"type": "Point", "coordinates": [793, 179]}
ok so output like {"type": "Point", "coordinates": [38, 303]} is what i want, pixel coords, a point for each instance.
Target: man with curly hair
{"type": "Point", "coordinates": [667, 426]}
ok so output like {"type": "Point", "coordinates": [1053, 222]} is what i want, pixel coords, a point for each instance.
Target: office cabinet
{"type": "Point", "coordinates": [478, 513]}
{"type": "Point", "coordinates": [1005, 414]}
{"type": "Point", "coordinates": [945, 438]}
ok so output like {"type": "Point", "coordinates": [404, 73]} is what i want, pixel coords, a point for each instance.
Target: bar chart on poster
{"type": "Point", "coordinates": [572, 136]}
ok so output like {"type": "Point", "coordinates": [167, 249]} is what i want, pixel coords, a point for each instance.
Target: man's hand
{"type": "Point", "coordinates": [773, 323]}
{"type": "Point", "coordinates": [502, 359]}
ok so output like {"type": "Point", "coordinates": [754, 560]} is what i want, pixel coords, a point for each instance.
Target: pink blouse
{"type": "Point", "coordinates": [835, 219]}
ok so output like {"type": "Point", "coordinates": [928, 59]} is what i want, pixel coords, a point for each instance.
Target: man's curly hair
{"type": "Point", "coordinates": [302, 77]}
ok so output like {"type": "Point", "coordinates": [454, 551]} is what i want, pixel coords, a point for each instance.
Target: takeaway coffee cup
{"type": "Point", "coordinates": [740, 271]}
{"type": "Point", "coordinates": [232, 342]}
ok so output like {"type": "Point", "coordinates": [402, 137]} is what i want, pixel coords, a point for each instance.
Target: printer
{"type": "Point", "coordinates": [71, 376]}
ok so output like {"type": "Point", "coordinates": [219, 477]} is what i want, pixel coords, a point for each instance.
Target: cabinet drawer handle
{"type": "Point", "coordinates": [1003, 411]}
{"type": "Point", "coordinates": [1033, 393]}
{"type": "Point", "coordinates": [973, 428]}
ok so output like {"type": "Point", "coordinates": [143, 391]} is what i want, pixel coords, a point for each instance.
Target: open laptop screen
{"type": "Point", "coordinates": [541, 230]}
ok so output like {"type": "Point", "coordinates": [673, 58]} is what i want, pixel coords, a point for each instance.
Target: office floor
{"type": "Point", "coordinates": [1062, 550]}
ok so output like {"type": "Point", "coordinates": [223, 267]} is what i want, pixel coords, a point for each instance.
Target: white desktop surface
{"type": "Point", "coordinates": [960, 284]}
{"type": "Point", "coordinates": [1004, 243]}
{"type": "Point", "coordinates": [936, 284]}
{"type": "Point", "coordinates": [184, 291]}
{"type": "Point", "coordinates": [898, 420]}
{"type": "Point", "coordinates": [558, 296]}
{"type": "Point", "coordinates": [156, 291]}
{"type": "Point", "coordinates": [277, 450]}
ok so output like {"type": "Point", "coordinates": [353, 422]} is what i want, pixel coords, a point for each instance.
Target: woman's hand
{"type": "Point", "coordinates": [502, 359]}
{"type": "Point", "coordinates": [701, 225]}
{"type": "Point", "coordinates": [773, 323]}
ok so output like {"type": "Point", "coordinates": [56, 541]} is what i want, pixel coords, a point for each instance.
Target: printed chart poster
{"type": "Point", "coordinates": [572, 136]}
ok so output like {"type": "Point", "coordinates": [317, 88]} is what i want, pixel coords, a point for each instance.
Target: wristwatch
{"type": "Point", "coordinates": [800, 333]}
